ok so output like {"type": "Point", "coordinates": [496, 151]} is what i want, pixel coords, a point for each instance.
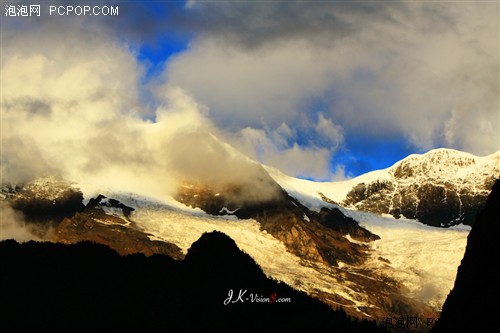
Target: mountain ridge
{"type": "Point", "coordinates": [442, 187]}
{"type": "Point", "coordinates": [89, 287]}
{"type": "Point", "coordinates": [325, 242]}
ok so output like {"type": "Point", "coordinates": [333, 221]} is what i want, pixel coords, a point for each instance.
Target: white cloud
{"type": "Point", "coordinates": [74, 110]}
{"type": "Point", "coordinates": [251, 88]}
{"type": "Point", "coordinates": [278, 148]}
{"type": "Point", "coordinates": [330, 132]}
{"type": "Point", "coordinates": [300, 161]}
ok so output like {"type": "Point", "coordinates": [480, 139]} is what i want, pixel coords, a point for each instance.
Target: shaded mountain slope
{"type": "Point", "coordinates": [307, 234]}
{"type": "Point", "coordinates": [474, 303]}
{"type": "Point", "coordinates": [46, 200]}
{"type": "Point", "coordinates": [115, 230]}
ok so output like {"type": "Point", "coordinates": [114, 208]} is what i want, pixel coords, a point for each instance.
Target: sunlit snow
{"type": "Point", "coordinates": [423, 258]}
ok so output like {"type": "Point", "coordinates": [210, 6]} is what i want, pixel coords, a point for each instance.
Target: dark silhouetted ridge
{"type": "Point", "coordinates": [474, 303]}
{"type": "Point", "coordinates": [89, 287]}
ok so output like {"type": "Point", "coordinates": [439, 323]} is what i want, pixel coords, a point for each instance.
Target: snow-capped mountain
{"type": "Point", "coordinates": [442, 187]}
{"type": "Point", "coordinates": [313, 236]}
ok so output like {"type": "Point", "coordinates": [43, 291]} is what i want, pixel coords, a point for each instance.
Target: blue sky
{"type": "Point", "coordinates": [321, 90]}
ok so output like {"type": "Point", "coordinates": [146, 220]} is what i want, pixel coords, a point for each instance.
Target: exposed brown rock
{"type": "Point", "coordinates": [46, 201]}
{"type": "Point", "coordinates": [113, 231]}
{"type": "Point", "coordinates": [309, 235]}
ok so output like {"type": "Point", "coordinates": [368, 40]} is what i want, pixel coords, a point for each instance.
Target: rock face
{"type": "Point", "coordinates": [473, 304]}
{"type": "Point", "coordinates": [312, 236]}
{"type": "Point", "coordinates": [46, 200]}
{"type": "Point", "coordinates": [56, 208]}
{"type": "Point", "coordinates": [440, 188]}
{"type": "Point", "coordinates": [88, 287]}
{"type": "Point", "coordinates": [119, 233]}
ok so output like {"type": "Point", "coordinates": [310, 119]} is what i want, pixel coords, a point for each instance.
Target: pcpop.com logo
{"type": "Point", "coordinates": [22, 10]}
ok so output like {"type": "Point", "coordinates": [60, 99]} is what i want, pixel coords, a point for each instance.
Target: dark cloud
{"type": "Point", "coordinates": [33, 106]}
{"type": "Point", "coordinates": [413, 70]}
{"type": "Point", "coordinates": [290, 81]}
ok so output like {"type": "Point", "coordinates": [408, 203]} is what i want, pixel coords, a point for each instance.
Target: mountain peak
{"type": "Point", "coordinates": [441, 187]}
{"type": "Point", "coordinates": [437, 163]}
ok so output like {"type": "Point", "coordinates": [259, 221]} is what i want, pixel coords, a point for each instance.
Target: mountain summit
{"type": "Point", "coordinates": [442, 187]}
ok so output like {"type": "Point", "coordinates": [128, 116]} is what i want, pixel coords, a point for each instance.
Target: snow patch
{"type": "Point", "coordinates": [424, 258]}
{"type": "Point", "coordinates": [227, 211]}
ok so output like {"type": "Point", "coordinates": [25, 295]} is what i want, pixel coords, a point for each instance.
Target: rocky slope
{"type": "Point", "coordinates": [53, 210]}
{"type": "Point", "coordinates": [312, 236]}
{"type": "Point", "coordinates": [45, 200]}
{"type": "Point", "coordinates": [119, 233]}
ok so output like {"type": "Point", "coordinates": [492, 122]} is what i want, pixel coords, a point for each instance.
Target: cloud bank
{"type": "Point", "coordinates": [290, 84]}
{"type": "Point", "coordinates": [13, 226]}
{"type": "Point", "coordinates": [74, 109]}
